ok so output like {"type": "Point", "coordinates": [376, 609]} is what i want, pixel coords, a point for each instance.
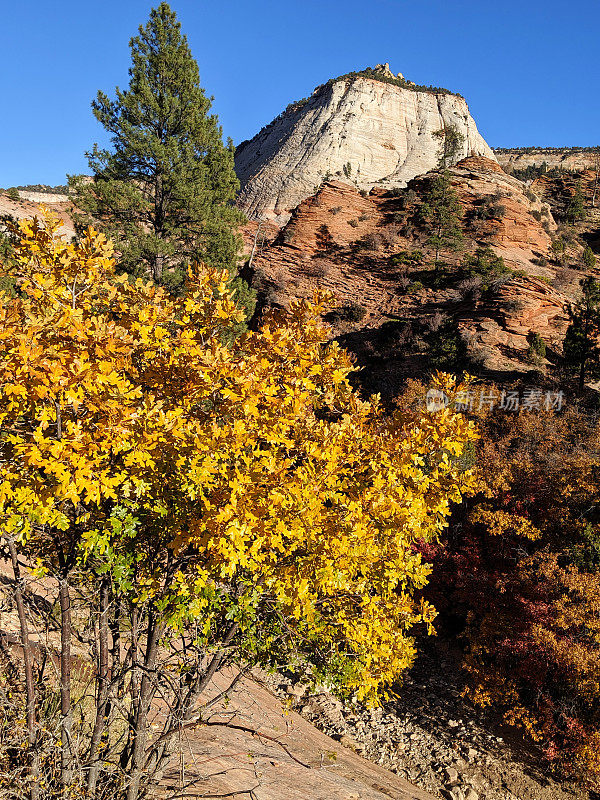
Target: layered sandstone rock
{"type": "Point", "coordinates": [45, 198]}
{"type": "Point", "coordinates": [25, 209]}
{"type": "Point", "coordinates": [567, 158]}
{"type": "Point", "coordinates": [285, 759]}
{"type": "Point", "coordinates": [344, 241]}
{"type": "Point", "coordinates": [524, 232]}
{"type": "Point", "coordinates": [361, 130]}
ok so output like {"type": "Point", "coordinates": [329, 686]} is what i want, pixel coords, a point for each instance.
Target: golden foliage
{"type": "Point", "coordinates": [256, 479]}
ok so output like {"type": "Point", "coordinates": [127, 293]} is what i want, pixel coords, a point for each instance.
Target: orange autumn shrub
{"type": "Point", "coordinates": [517, 574]}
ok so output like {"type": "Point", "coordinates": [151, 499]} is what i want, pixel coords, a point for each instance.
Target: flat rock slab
{"type": "Point", "coordinates": [286, 759]}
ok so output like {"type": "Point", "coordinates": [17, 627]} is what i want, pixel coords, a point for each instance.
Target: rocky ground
{"type": "Point", "coordinates": [434, 738]}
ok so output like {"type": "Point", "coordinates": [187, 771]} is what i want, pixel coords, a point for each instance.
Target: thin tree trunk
{"type": "Point", "coordinates": [115, 649]}
{"type": "Point", "coordinates": [29, 680]}
{"type": "Point", "coordinates": [256, 235]}
{"type": "Point", "coordinates": [159, 220]}
{"type": "Point", "coordinates": [102, 690]}
{"type": "Point", "coordinates": [132, 657]}
{"type": "Point", "coordinates": [140, 723]}
{"type": "Point", "coordinates": [582, 376]}
{"type": "Point", "coordinates": [437, 246]}
{"type": "Point", "coordinates": [185, 707]}
{"type": "Point", "coordinates": [157, 270]}
{"type": "Point", "coordinates": [66, 711]}
{"type": "Point", "coordinates": [135, 617]}
{"type": "Point", "coordinates": [584, 354]}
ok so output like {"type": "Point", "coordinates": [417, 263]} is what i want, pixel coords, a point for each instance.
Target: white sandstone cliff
{"type": "Point", "coordinates": [357, 129]}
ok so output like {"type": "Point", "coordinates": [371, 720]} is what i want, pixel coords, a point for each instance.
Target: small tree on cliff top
{"type": "Point", "coordinates": [164, 191]}
{"type": "Point", "coordinates": [213, 501]}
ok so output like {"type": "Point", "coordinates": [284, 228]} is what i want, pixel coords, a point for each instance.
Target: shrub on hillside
{"type": "Point", "coordinates": [446, 348]}
{"type": "Point", "coordinates": [348, 312]}
{"type": "Point", "coordinates": [196, 500]}
{"type": "Point", "coordinates": [588, 258]}
{"type": "Point", "coordinates": [407, 258]}
{"type": "Point", "coordinates": [487, 266]}
{"type": "Point", "coordinates": [489, 207]}
{"type": "Point", "coordinates": [537, 349]}
{"type": "Point", "coordinates": [370, 241]}
{"type": "Point", "coordinates": [519, 573]}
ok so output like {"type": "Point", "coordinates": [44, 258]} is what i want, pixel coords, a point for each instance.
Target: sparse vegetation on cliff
{"type": "Point", "coordinates": [451, 142]}
{"type": "Point", "coordinates": [378, 75]}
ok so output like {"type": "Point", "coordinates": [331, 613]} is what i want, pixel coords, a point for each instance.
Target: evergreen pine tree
{"type": "Point", "coordinates": [164, 192]}
{"type": "Point", "coordinates": [451, 142]}
{"type": "Point", "coordinates": [488, 267]}
{"type": "Point", "coordinates": [581, 348]}
{"type": "Point", "coordinates": [575, 209]}
{"type": "Point", "coordinates": [442, 212]}
{"type": "Point", "coordinates": [588, 259]}
{"type": "Point", "coordinates": [446, 348]}
{"type": "Point", "coordinates": [537, 349]}
{"type": "Point", "coordinates": [7, 257]}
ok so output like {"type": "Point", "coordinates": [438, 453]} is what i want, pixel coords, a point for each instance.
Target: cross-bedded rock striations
{"type": "Point", "coordinates": [350, 244]}
{"type": "Point", "coordinates": [362, 130]}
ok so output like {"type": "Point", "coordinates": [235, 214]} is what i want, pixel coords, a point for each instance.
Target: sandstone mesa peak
{"type": "Point", "coordinates": [368, 128]}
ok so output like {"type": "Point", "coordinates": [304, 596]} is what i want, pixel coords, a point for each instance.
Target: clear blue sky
{"type": "Point", "coordinates": [529, 70]}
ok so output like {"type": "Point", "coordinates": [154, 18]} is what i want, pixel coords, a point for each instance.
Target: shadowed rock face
{"type": "Point", "coordinates": [358, 130]}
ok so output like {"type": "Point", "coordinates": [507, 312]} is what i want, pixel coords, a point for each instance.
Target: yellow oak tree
{"type": "Point", "coordinates": [237, 495]}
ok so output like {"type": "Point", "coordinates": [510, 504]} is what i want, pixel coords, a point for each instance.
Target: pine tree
{"type": "Point", "coordinates": [451, 142]}
{"type": "Point", "coordinates": [446, 348]}
{"type": "Point", "coordinates": [164, 192]}
{"type": "Point", "coordinates": [575, 209]}
{"type": "Point", "coordinates": [441, 211]}
{"type": "Point", "coordinates": [580, 348]}
{"type": "Point", "coordinates": [588, 259]}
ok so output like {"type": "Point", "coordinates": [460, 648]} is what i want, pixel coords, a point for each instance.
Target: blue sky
{"type": "Point", "coordinates": [529, 70]}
